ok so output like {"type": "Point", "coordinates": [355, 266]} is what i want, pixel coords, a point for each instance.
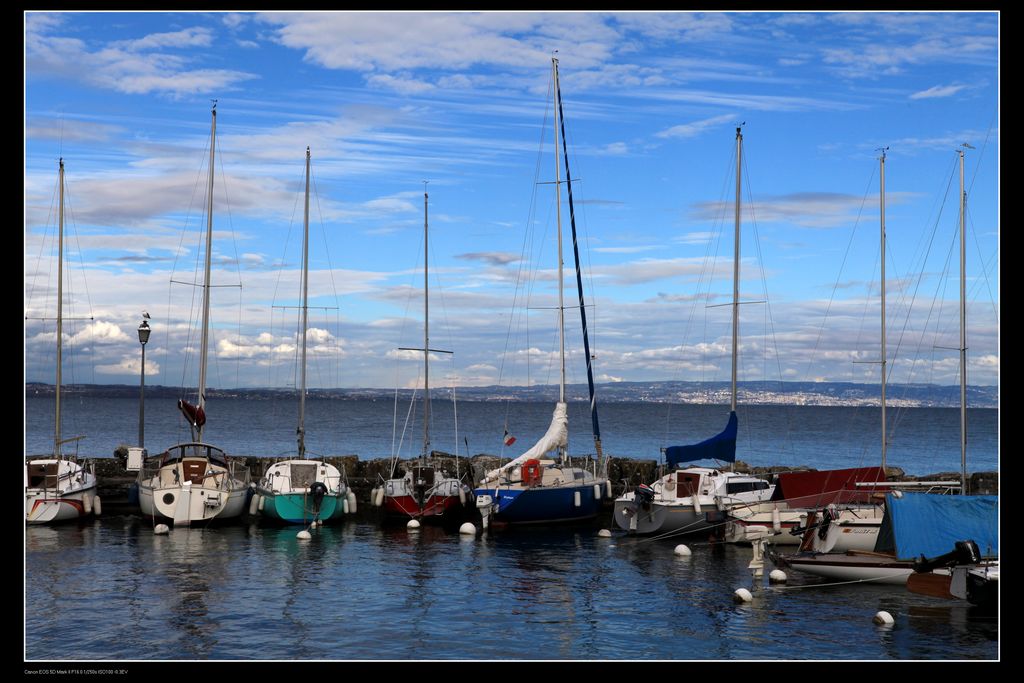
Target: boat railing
{"type": "Point", "coordinates": [939, 487]}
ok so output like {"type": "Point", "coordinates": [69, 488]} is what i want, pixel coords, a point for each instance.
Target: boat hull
{"type": "Point", "coordinates": [868, 568]}
{"type": "Point", "coordinates": [542, 504]}
{"type": "Point", "coordinates": [188, 505]}
{"type": "Point", "coordinates": [657, 518]}
{"type": "Point", "coordinates": [297, 508]}
{"type": "Point", "coordinates": [436, 508]}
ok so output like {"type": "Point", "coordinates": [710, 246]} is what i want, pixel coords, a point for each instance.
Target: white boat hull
{"type": "Point", "coordinates": [868, 568]}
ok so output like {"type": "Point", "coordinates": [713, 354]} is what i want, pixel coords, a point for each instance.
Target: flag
{"type": "Point", "coordinates": [509, 439]}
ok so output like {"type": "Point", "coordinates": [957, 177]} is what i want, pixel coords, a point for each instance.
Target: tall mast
{"type": "Point", "coordinates": [60, 308]}
{"type": "Point", "coordinates": [963, 326]}
{"type": "Point", "coordinates": [595, 426]}
{"type": "Point", "coordinates": [426, 334]}
{"type": "Point", "coordinates": [881, 195]}
{"type": "Point", "coordinates": [206, 273]}
{"type": "Point", "coordinates": [301, 431]}
{"type": "Point", "coordinates": [736, 268]}
{"type": "Point", "coordinates": [561, 274]}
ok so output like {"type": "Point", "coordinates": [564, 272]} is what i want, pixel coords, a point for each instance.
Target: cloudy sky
{"type": "Point", "coordinates": [386, 101]}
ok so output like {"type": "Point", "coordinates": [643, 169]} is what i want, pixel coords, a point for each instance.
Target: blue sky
{"type": "Point", "coordinates": [388, 100]}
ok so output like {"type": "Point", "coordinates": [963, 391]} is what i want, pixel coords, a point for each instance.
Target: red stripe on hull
{"type": "Point", "coordinates": [77, 504]}
{"type": "Point", "coordinates": [408, 507]}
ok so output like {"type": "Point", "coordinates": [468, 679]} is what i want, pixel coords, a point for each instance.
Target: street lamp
{"type": "Point", "coordinates": [143, 338]}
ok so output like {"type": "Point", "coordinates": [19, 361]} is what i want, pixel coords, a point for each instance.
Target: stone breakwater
{"type": "Point", "coordinates": [364, 475]}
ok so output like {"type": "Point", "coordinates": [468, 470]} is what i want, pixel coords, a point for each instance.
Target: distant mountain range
{"type": "Point", "coordinates": [765, 393]}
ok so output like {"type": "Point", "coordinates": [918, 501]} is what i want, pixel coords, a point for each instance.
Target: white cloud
{"type": "Point", "coordinates": [689, 130]}
{"type": "Point", "coordinates": [938, 91]}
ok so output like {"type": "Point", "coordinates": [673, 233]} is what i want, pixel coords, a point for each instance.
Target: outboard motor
{"type": "Point", "coordinates": [964, 552]}
{"type": "Point", "coordinates": [317, 491]}
{"type": "Point", "coordinates": [644, 495]}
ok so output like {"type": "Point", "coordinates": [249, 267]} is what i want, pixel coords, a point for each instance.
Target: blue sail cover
{"type": "Point", "coordinates": [721, 447]}
{"type": "Point", "coordinates": [929, 524]}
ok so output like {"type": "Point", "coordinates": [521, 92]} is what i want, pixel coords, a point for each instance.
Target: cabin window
{"type": "Point", "coordinates": [745, 486]}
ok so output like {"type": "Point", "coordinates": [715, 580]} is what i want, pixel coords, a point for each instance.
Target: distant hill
{"type": "Point", "coordinates": [766, 393]}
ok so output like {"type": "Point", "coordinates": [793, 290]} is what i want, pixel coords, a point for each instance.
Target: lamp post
{"type": "Point", "coordinates": [143, 338]}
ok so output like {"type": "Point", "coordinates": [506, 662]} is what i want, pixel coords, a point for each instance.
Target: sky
{"type": "Point", "coordinates": [386, 101]}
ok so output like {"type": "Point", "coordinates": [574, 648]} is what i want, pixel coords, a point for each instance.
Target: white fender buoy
{"type": "Point", "coordinates": [344, 506]}
{"type": "Point", "coordinates": [378, 499]}
{"type": "Point", "coordinates": [262, 502]}
{"type": "Point", "coordinates": [413, 524]}
{"type": "Point", "coordinates": [161, 529]}
{"type": "Point", "coordinates": [97, 508]}
{"type": "Point", "coordinates": [608, 487]}
{"type": "Point", "coordinates": [254, 505]}
{"type": "Point", "coordinates": [576, 498]}
{"type": "Point", "coordinates": [604, 533]}
{"type": "Point", "coordinates": [776, 520]}
{"type": "Point", "coordinates": [777, 576]}
{"type": "Point", "coordinates": [742, 595]}
{"type": "Point", "coordinates": [303, 535]}
{"type": "Point", "coordinates": [87, 505]}
{"type": "Point", "coordinates": [373, 497]}
{"type": "Point", "coordinates": [351, 499]}
{"type": "Point", "coordinates": [883, 618]}
{"type": "Point", "coordinates": [597, 492]}
{"type": "Point", "coordinates": [682, 550]}
{"type": "Point", "coordinates": [462, 496]}
{"type": "Point", "coordinates": [467, 529]}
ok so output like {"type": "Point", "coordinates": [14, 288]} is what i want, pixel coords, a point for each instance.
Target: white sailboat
{"type": "Point", "coordinates": [884, 560]}
{"type": "Point", "coordinates": [693, 500]}
{"type": "Point", "coordinates": [303, 491]}
{"type": "Point", "coordinates": [195, 482]}
{"type": "Point", "coordinates": [59, 488]}
{"type": "Point", "coordinates": [534, 488]}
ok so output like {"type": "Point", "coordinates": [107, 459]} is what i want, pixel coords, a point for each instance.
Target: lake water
{"type": "Point", "coordinates": [112, 590]}
{"type": "Point", "coordinates": [921, 440]}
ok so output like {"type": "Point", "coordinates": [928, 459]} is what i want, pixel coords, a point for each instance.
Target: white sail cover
{"type": "Point", "coordinates": [557, 435]}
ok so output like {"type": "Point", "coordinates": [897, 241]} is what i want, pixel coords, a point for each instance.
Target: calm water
{"type": "Point", "coordinates": [921, 440]}
{"type": "Point", "coordinates": [113, 590]}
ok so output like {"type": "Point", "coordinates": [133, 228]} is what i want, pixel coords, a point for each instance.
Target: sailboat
{"type": "Point", "coordinates": [59, 488]}
{"type": "Point", "coordinates": [425, 491]}
{"type": "Point", "coordinates": [534, 488]}
{"type": "Point", "coordinates": [693, 499]}
{"type": "Point", "coordinates": [847, 512]}
{"type": "Point", "coordinates": [888, 561]}
{"type": "Point", "coordinates": [195, 482]}
{"type": "Point", "coordinates": [303, 491]}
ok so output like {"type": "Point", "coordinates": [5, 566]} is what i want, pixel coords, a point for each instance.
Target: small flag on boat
{"type": "Point", "coordinates": [509, 439]}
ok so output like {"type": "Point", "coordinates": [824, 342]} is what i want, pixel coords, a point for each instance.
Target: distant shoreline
{"type": "Point", "coordinates": [820, 394]}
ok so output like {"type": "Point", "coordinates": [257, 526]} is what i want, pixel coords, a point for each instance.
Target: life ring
{"type": "Point", "coordinates": [532, 473]}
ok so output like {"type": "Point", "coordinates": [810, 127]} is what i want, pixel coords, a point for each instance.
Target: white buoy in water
{"type": "Point", "coordinates": [467, 529]}
{"type": "Point", "coordinates": [161, 529]}
{"type": "Point", "coordinates": [682, 550]}
{"type": "Point", "coordinates": [604, 533]}
{"type": "Point", "coordinates": [777, 576]}
{"type": "Point", "coordinates": [742, 595]}
{"type": "Point", "coordinates": [254, 505]}
{"type": "Point", "coordinates": [351, 498]}
{"type": "Point", "coordinates": [96, 507]}
{"type": "Point", "coordinates": [413, 524]}
{"type": "Point", "coordinates": [883, 618]}
{"type": "Point", "coordinates": [303, 535]}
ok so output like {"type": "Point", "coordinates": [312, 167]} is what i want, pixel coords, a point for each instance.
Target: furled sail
{"type": "Point", "coordinates": [720, 447]}
{"type": "Point", "coordinates": [557, 435]}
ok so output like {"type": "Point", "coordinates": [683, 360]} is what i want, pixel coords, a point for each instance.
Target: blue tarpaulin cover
{"type": "Point", "coordinates": [930, 524]}
{"type": "Point", "coordinates": [721, 447]}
